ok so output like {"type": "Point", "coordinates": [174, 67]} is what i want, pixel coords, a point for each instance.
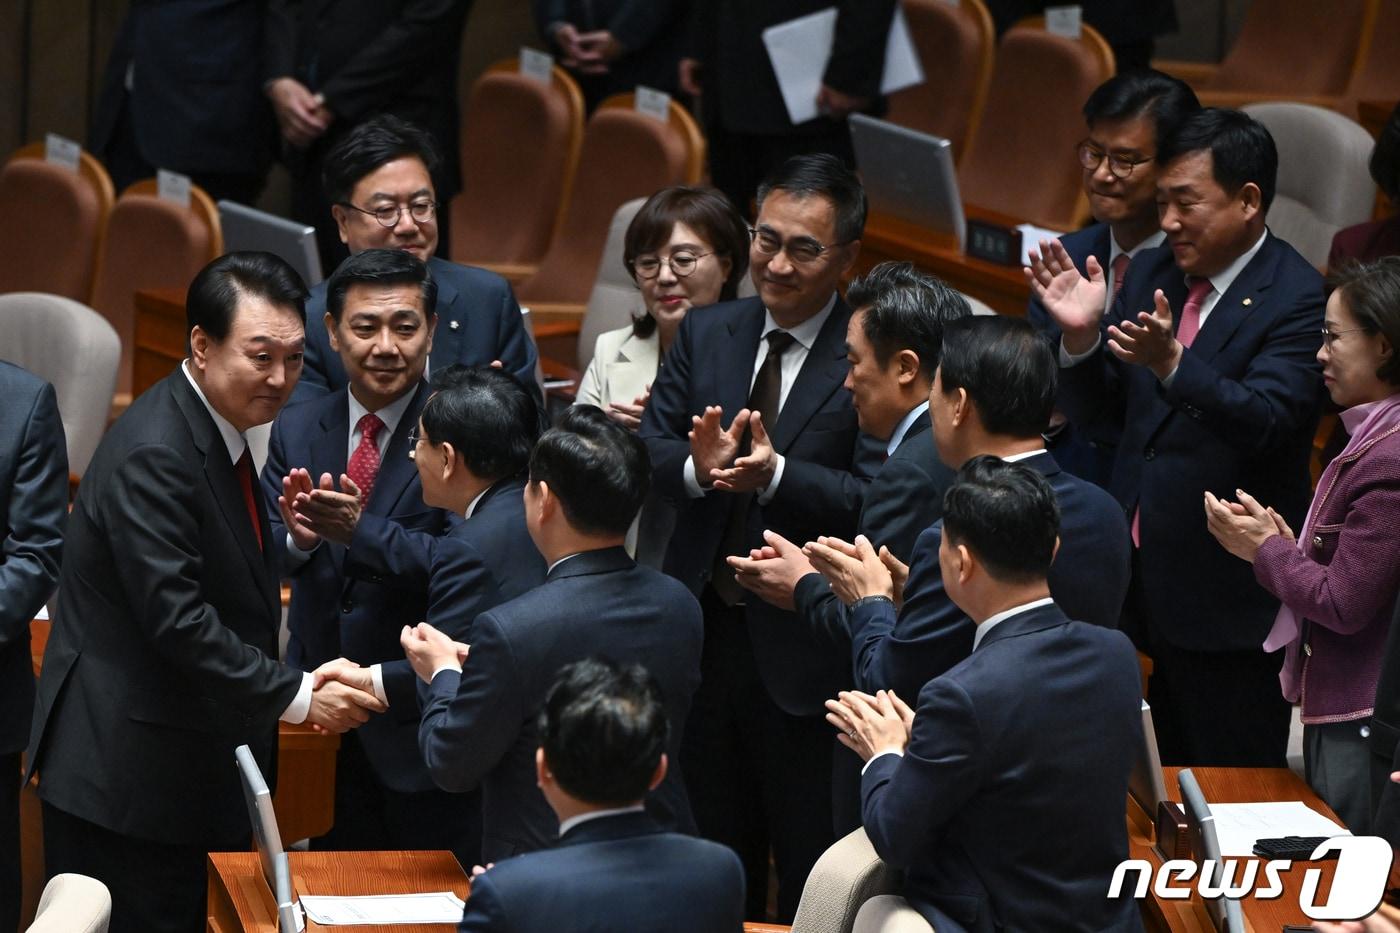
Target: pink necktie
{"type": "Point", "coordinates": [1186, 333]}
{"type": "Point", "coordinates": [1120, 269]}
{"type": "Point", "coordinates": [364, 462]}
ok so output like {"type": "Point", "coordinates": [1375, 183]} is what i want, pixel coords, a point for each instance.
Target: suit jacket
{"type": "Point", "coordinates": [741, 91]}
{"type": "Point", "coordinates": [622, 367]}
{"type": "Point", "coordinates": [480, 727]}
{"type": "Point", "coordinates": [1240, 414]}
{"type": "Point", "coordinates": [197, 105]}
{"type": "Point", "coordinates": [1030, 739]}
{"type": "Point", "coordinates": [904, 498]}
{"type": "Point", "coordinates": [162, 656]}
{"type": "Point", "coordinates": [478, 321]}
{"type": "Point", "coordinates": [33, 513]}
{"type": "Point", "coordinates": [612, 873]}
{"type": "Point", "coordinates": [374, 56]}
{"type": "Point", "coordinates": [930, 634]}
{"type": "Point", "coordinates": [1365, 242]}
{"type": "Point", "coordinates": [1385, 738]}
{"type": "Point", "coordinates": [353, 611]}
{"type": "Point", "coordinates": [828, 463]}
{"type": "Point", "coordinates": [650, 32]}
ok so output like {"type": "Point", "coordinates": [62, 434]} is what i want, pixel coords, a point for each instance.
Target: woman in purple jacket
{"type": "Point", "coordinates": [1338, 579]}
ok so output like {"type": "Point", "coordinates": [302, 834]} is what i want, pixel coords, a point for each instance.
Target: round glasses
{"type": "Point", "coordinates": [1329, 335]}
{"type": "Point", "coordinates": [801, 250]}
{"type": "Point", "coordinates": [682, 264]}
{"type": "Point", "coordinates": [388, 215]}
{"type": "Point", "coordinates": [1120, 167]}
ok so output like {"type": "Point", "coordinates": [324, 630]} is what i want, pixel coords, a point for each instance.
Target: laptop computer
{"type": "Point", "coordinates": [248, 228]}
{"type": "Point", "coordinates": [1225, 913]}
{"type": "Point", "coordinates": [1146, 784]}
{"type": "Point", "coordinates": [268, 840]}
{"type": "Point", "coordinates": [909, 175]}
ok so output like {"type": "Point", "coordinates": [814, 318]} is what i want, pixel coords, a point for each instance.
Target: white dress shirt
{"type": "Point", "coordinates": [803, 335]}
{"type": "Point", "coordinates": [233, 439]}
{"type": "Point", "coordinates": [573, 821]}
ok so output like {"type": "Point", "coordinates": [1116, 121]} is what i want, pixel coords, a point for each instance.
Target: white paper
{"type": "Point", "coordinates": [1239, 825]}
{"type": "Point", "coordinates": [1066, 21]}
{"type": "Point", "coordinates": [172, 186]}
{"type": "Point", "coordinates": [1031, 235]}
{"type": "Point", "coordinates": [60, 150]}
{"type": "Point", "coordinates": [43, 614]}
{"type": "Point", "coordinates": [536, 64]}
{"type": "Point", "coordinates": [799, 71]}
{"type": "Point", "coordinates": [437, 907]}
{"type": "Point", "coordinates": [655, 104]}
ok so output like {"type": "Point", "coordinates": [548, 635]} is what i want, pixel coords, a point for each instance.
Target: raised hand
{"type": "Point", "coordinates": [1149, 342]}
{"type": "Point", "coordinates": [755, 469]}
{"type": "Point", "coordinates": [713, 446]}
{"type": "Point", "coordinates": [332, 515]}
{"type": "Point", "coordinates": [1074, 302]}
{"type": "Point", "coordinates": [297, 482]}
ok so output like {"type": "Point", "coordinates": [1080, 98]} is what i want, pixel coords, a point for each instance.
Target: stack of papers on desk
{"type": "Point", "coordinates": [1238, 825]}
{"type": "Point", "coordinates": [437, 907]}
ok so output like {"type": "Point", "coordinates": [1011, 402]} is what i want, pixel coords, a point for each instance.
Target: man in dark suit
{"type": "Point", "coordinates": [791, 459]}
{"type": "Point", "coordinates": [162, 656]}
{"type": "Point", "coordinates": [33, 513]}
{"type": "Point", "coordinates": [1131, 27]}
{"type": "Point", "coordinates": [380, 179]}
{"type": "Point", "coordinates": [611, 46]}
{"type": "Point", "coordinates": [588, 477]}
{"type": "Point", "coordinates": [992, 394]}
{"type": "Point", "coordinates": [746, 122]}
{"type": "Point", "coordinates": [1127, 116]}
{"type": "Point", "coordinates": [330, 65]}
{"type": "Point", "coordinates": [603, 740]}
{"type": "Point", "coordinates": [183, 91]}
{"type": "Point", "coordinates": [1002, 793]}
{"type": "Point", "coordinates": [471, 448]}
{"type": "Point", "coordinates": [1206, 365]}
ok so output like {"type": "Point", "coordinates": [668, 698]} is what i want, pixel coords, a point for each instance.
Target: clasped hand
{"type": "Point", "coordinates": [342, 697]}
{"type": "Point", "coordinates": [871, 725]}
{"type": "Point", "coordinates": [320, 511]}
{"type": "Point", "coordinates": [429, 650]}
{"type": "Point", "coordinates": [713, 450]}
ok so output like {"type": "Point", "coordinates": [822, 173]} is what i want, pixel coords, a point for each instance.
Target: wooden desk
{"type": "Point", "coordinates": [239, 901]}
{"type": "Point", "coordinates": [1374, 114]}
{"type": "Point", "coordinates": [159, 337]}
{"type": "Point", "coordinates": [1004, 288]}
{"type": "Point", "coordinates": [1237, 785]}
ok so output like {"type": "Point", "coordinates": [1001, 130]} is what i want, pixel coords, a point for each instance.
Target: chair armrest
{"type": "Point", "coordinates": [1236, 99]}
{"type": "Point", "coordinates": [752, 927]}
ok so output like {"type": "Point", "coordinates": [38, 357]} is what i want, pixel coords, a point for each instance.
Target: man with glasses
{"type": "Point", "coordinates": [1127, 116]}
{"type": "Point", "coordinates": [1206, 365]}
{"type": "Point", "coordinates": [380, 180]}
{"type": "Point", "coordinates": [750, 427]}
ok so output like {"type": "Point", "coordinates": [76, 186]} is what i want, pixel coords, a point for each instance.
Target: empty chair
{"type": "Point", "coordinates": [520, 147]}
{"type": "Point", "coordinates": [72, 347]}
{"type": "Point", "coordinates": [1323, 180]}
{"type": "Point", "coordinates": [1376, 77]}
{"type": "Point", "coordinates": [615, 298]}
{"type": "Point", "coordinates": [626, 154]}
{"type": "Point", "coordinates": [847, 875]}
{"type": "Point", "coordinates": [56, 221]}
{"type": "Point", "coordinates": [889, 913]}
{"type": "Point", "coordinates": [956, 43]}
{"type": "Point", "coordinates": [73, 904]}
{"type": "Point", "coordinates": [150, 243]}
{"type": "Point", "coordinates": [1020, 161]}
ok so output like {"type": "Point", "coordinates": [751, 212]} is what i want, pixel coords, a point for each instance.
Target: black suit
{"type": "Point", "coordinates": [368, 57]}
{"type": "Point", "coordinates": [33, 512]}
{"type": "Point", "coordinates": [161, 661]}
{"type": "Point", "coordinates": [649, 31]}
{"type": "Point", "coordinates": [746, 122]}
{"type": "Point", "coordinates": [1006, 809]}
{"type": "Point", "coordinates": [480, 727]}
{"type": "Point", "coordinates": [765, 676]}
{"type": "Point", "coordinates": [612, 873]}
{"type": "Point", "coordinates": [1385, 740]}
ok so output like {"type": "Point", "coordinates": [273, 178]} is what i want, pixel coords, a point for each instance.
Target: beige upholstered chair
{"type": "Point", "coordinates": [72, 347]}
{"type": "Point", "coordinates": [889, 913]}
{"type": "Point", "coordinates": [520, 143]}
{"type": "Point", "coordinates": [73, 904]}
{"type": "Point", "coordinates": [1323, 180]}
{"type": "Point", "coordinates": [56, 218]}
{"type": "Point", "coordinates": [956, 43]}
{"type": "Point", "coordinates": [977, 305]}
{"type": "Point", "coordinates": [1020, 161]}
{"type": "Point", "coordinates": [615, 299]}
{"type": "Point", "coordinates": [846, 876]}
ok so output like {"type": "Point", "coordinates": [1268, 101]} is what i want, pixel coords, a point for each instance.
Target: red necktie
{"type": "Point", "coordinates": [1120, 269]}
{"type": "Point", "coordinates": [246, 480]}
{"type": "Point", "coordinates": [1186, 333]}
{"type": "Point", "coordinates": [364, 462]}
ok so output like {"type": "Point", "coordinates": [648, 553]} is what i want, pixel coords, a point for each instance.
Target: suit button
{"type": "Point", "coordinates": [347, 606]}
{"type": "Point", "coordinates": [1317, 540]}
{"type": "Point", "coordinates": [1149, 453]}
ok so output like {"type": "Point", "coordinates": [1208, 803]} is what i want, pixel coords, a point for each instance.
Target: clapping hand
{"type": "Point", "coordinates": [630, 416]}
{"type": "Point", "coordinates": [297, 482]}
{"type": "Point", "coordinates": [853, 570]}
{"type": "Point", "coordinates": [1149, 342]}
{"type": "Point", "coordinates": [324, 511]}
{"type": "Point", "coordinates": [772, 572]}
{"type": "Point", "coordinates": [712, 446]}
{"type": "Point", "coordinates": [1074, 302]}
{"type": "Point", "coordinates": [755, 469]}
{"type": "Point", "coordinates": [429, 650]}
{"type": "Point", "coordinates": [1243, 527]}
{"type": "Point", "coordinates": [871, 725]}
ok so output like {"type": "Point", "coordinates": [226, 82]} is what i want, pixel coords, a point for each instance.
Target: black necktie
{"type": "Point", "coordinates": [765, 397]}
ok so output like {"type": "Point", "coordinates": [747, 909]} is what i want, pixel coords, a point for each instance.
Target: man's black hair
{"type": "Point", "coordinates": [905, 309]}
{"type": "Point", "coordinates": [599, 470]}
{"type": "Point", "coordinates": [380, 267]}
{"type": "Point", "coordinates": [1142, 92]}
{"type": "Point", "coordinates": [1008, 370]}
{"type": "Point", "coordinates": [212, 299]}
{"type": "Point", "coordinates": [375, 142]}
{"type": "Point", "coordinates": [825, 175]}
{"type": "Point", "coordinates": [488, 417]}
{"type": "Point", "coordinates": [1241, 149]}
{"type": "Point", "coordinates": [1006, 514]}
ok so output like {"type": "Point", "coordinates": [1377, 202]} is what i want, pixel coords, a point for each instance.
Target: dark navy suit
{"type": "Point", "coordinates": [1240, 414]}
{"type": "Point", "coordinates": [478, 322]}
{"type": "Point", "coordinates": [480, 727]}
{"type": "Point", "coordinates": [33, 512]}
{"type": "Point", "coordinates": [930, 634]}
{"type": "Point", "coordinates": [1006, 809]}
{"type": "Point", "coordinates": [612, 873]}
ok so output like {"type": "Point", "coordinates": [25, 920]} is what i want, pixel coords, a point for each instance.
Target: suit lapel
{"type": "Point", "coordinates": [396, 471]}
{"type": "Point", "coordinates": [1238, 302]}
{"type": "Point", "coordinates": [735, 373]}
{"type": "Point", "coordinates": [451, 321]}
{"type": "Point", "coordinates": [329, 447]}
{"type": "Point", "coordinates": [822, 373]}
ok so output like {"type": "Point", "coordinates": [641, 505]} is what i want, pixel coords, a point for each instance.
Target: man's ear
{"type": "Point", "coordinates": [962, 407]}
{"type": "Point", "coordinates": [907, 366]}
{"type": "Point", "coordinates": [199, 346]}
{"type": "Point", "coordinates": [330, 332]}
{"type": "Point", "coordinates": [1251, 199]}
{"type": "Point", "coordinates": [1056, 552]}
{"type": "Point", "coordinates": [432, 329]}
{"type": "Point", "coordinates": [342, 222]}
{"type": "Point", "coordinates": [549, 503]}
{"type": "Point", "coordinates": [964, 563]}
{"type": "Point", "coordinates": [449, 461]}
{"type": "Point", "coordinates": [542, 775]}
{"type": "Point", "coordinates": [659, 774]}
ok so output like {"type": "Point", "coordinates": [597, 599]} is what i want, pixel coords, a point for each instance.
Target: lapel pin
{"type": "Point", "coordinates": [1247, 303]}
{"type": "Point", "coordinates": [454, 325]}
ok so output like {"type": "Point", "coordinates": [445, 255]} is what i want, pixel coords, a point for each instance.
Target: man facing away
{"type": "Point", "coordinates": [603, 738]}
{"type": "Point", "coordinates": [1001, 793]}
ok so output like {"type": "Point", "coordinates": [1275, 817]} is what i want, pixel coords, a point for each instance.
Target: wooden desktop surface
{"type": "Point", "coordinates": [239, 900]}
{"type": "Point", "coordinates": [1238, 785]}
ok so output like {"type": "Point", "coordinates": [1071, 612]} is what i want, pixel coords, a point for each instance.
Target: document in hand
{"type": "Point", "coordinates": [799, 71]}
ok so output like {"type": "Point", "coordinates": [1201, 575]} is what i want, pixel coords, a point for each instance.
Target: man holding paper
{"type": "Point", "coordinates": [747, 123]}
